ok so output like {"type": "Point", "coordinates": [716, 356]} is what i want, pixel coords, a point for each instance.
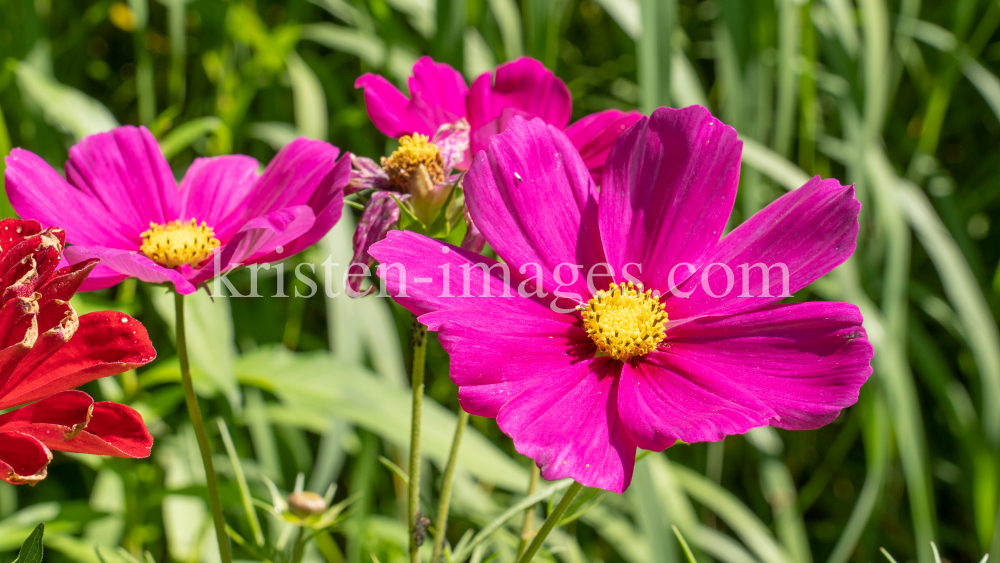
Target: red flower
{"type": "Point", "coordinates": [46, 350]}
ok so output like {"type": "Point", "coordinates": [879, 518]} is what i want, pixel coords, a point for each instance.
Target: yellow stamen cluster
{"type": "Point", "coordinates": [624, 322]}
{"type": "Point", "coordinates": [177, 243]}
{"type": "Point", "coordinates": [413, 152]}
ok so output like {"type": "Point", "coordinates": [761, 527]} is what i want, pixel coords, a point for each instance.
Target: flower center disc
{"type": "Point", "coordinates": [413, 151]}
{"type": "Point", "coordinates": [177, 243]}
{"type": "Point", "coordinates": [624, 322]}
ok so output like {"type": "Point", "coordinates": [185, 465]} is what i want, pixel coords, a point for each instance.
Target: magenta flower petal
{"type": "Point", "coordinates": [299, 170]}
{"type": "Point", "coordinates": [479, 139]}
{"type": "Point", "coordinates": [132, 264]}
{"type": "Point", "coordinates": [213, 187]}
{"type": "Point", "coordinates": [806, 361]}
{"type": "Point", "coordinates": [102, 277]}
{"type": "Point", "coordinates": [496, 357]}
{"type": "Point", "coordinates": [261, 237]}
{"type": "Point", "coordinates": [668, 189]}
{"type": "Point", "coordinates": [525, 85]}
{"type": "Point", "coordinates": [568, 423]}
{"type": "Point", "coordinates": [533, 199]}
{"type": "Point", "coordinates": [388, 108]}
{"type": "Point", "coordinates": [327, 204]}
{"type": "Point", "coordinates": [438, 94]}
{"type": "Point", "coordinates": [39, 192]}
{"type": "Point", "coordinates": [438, 98]}
{"type": "Point", "coordinates": [595, 134]}
{"type": "Point", "coordinates": [125, 170]}
{"type": "Point", "coordinates": [810, 231]}
{"type": "Point", "coordinates": [425, 275]}
{"type": "Point", "coordinates": [663, 399]}
{"type": "Point", "coordinates": [379, 215]}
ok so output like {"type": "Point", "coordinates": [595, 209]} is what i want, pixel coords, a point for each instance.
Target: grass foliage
{"type": "Point", "coordinates": [900, 97]}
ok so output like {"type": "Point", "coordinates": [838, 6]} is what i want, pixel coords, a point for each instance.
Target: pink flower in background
{"type": "Point", "coordinates": [121, 204]}
{"type": "Point", "coordinates": [418, 176]}
{"type": "Point", "coordinates": [524, 87]}
{"type": "Point", "coordinates": [581, 379]}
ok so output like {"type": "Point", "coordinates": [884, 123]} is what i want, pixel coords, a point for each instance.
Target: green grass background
{"type": "Point", "coordinates": [900, 97]}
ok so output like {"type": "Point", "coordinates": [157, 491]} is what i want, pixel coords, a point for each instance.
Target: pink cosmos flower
{"type": "Point", "coordinates": [524, 87]}
{"type": "Point", "coordinates": [683, 345]}
{"type": "Point", "coordinates": [121, 204]}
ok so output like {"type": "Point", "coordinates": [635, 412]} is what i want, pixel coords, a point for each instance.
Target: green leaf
{"type": "Point", "coordinates": [31, 549]}
{"type": "Point", "coordinates": [684, 545]}
{"type": "Point", "coordinates": [310, 386]}
{"type": "Point", "coordinates": [184, 135]}
{"type": "Point", "coordinates": [367, 47]}
{"type": "Point", "coordinates": [65, 108]}
{"type": "Point", "coordinates": [311, 117]}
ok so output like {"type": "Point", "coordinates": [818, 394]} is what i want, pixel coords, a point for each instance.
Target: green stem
{"type": "Point", "coordinates": [551, 522]}
{"type": "Point", "coordinates": [444, 503]}
{"type": "Point", "coordinates": [214, 501]}
{"type": "Point", "coordinates": [529, 513]}
{"type": "Point", "coordinates": [413, 504]}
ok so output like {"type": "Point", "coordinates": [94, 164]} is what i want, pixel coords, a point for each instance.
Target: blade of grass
{"type": "Point", "coordinates": [789, 34]}
{"type": "Point", "coordinates": [877, 436]}
{"type": "Point", "coordinates": [653, 517]}
{"type": "Point", "coordinates": [684, 545]}
{"type": "Point", "coordinates": [311, 117]}
{"type": "Point", "coordinates": [655, 51]}
{"type": "Point", "coordinates": [515, 509]}
{"type": "Point", "coordinates": [780, 492]}
{"type": "Point", "coordinates": [740, 519]}
{"type": "Point", "coordinates": [509, 21]}
{"type": "Point", "coordinates": [241, 480]}
{"type": "Point", "coordinates": [184, 135]}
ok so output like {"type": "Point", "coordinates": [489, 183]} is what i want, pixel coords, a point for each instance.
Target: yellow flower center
{"type": "Point", "coordinates": [405, 162]}
{"type": "Point", "coordinates": [178, 243]}
{"type": "Point", "coordinates": [624, 322]}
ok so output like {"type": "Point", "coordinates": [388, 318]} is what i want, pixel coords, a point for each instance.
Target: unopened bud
{"type": "Point", "coordinates": [306, 504]}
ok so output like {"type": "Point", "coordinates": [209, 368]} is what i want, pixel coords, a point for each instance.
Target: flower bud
{"type": "Point", "coordinates": [306, 504]}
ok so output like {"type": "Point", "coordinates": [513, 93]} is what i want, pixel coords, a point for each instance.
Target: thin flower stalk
{"type": "Point", "coordinates": [551, 522]}
{"type": "Point", "coordinates": [413, 504]}
{"type": "Point", "coordinates": [444, 502]}
{"type": "Point", "coordinates": [214, 500]}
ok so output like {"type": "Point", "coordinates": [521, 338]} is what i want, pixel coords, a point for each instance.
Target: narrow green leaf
{"type": "Point", "coordinates": [509, 21]}
{"type": "Point", "coordinates": [684, 545]}
{"type": "Point", "coordinates": [182, 136]}
{"type": "Point", "coordinates": [311, 117]}
{"type": "Point", "coordinates": [65, 108]}
{"type": "Point", "coordinates": [241, 480]}
{"type": "Point", "coordinates": [747, 526]}
{"type": "Point", "coordinates": [396, 470]}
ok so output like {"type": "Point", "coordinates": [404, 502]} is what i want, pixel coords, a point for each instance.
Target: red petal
{"type": "Point", "coordinates": [67, 410]}
{"type": "Point", "coordinates": [13, 231]}
{"type": "Point", "coordinates": [65, 282]}
{"type": "Point", "coordinates": [15, 350]}
{"type": "Point", "coordinates": [115, 430]}
{"type": "Point", "coordinates": [106, 343]}
{"type": "Point", "coordinates": [57, 323]}
{"type": "Point", "coordinates": [14, 311]}
{"type": "Point", "coordinates": [71, 421]}
{"type": "Point", "coordinates": [23, 459]}
{"type": "Point", "coordinates": [45, 247]}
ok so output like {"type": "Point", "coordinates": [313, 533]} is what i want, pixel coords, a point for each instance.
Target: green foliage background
{"type": "Point", "coordinates": [899, 96]}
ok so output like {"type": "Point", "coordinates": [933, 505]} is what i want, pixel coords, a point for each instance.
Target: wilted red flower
{"type": "Point", "coordinates": [46, 350]}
